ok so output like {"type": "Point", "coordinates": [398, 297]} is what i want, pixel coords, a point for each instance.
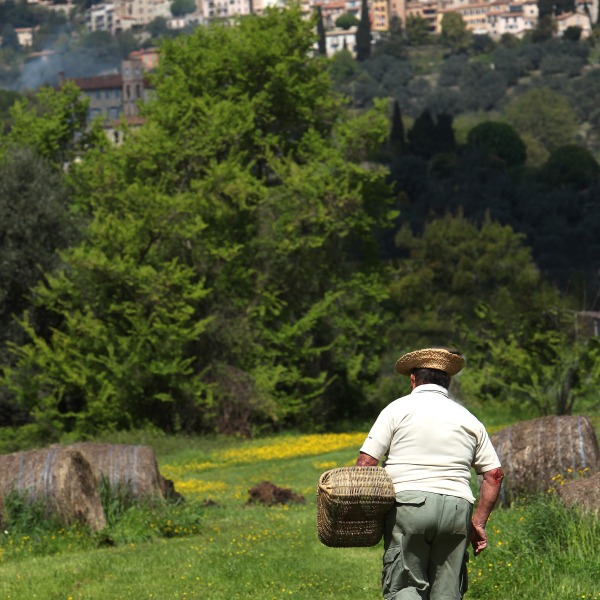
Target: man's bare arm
{"type": "Point", "coordinates": [488, 495]}
{"type": "Point", "coordinates": [364, 460]}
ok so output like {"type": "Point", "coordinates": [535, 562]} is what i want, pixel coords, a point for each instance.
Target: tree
{"type": "Point", "coordinates": [321, 33]}
{"type": "Point", "coordinates": [346, 21]}
{"type": "Point", "coordinates": [397, 132]}
{"type": "Point", "coordinates": [444, 134]}
{"type": "Point", "coordinates": [363, 34]}
{"type": "Point", "coordinates": [572, 33]}
{"type": "Point", "coordinates": [343, 66]}
{"type": "Point", "coordinates": [421, 138]}
{"type": "Point", "coordinates": [10, 39]}
{"type": "Point", "coordinates": [545, 29]}
{"type": "Point", "coordinates": [501, 140]}
{"type": "Point", "coordinates": [229, 276]}
{"type": "Point", "coordinates": [545, 115]}
{"type": "Point", "coordinates": [34, 226]}
{"type": "Point", "coordinates": [157, 27]}
{"type": "Point", "coordinates": [61, 132]}
{"type": "Point", "coordinates": [182, 7]}
{"type": "Point", "coordinates": [417, 30]}
{"type": "Point", "coordinates": [571, 166]}
{"type": "Point", "coordinates": [454, 32]}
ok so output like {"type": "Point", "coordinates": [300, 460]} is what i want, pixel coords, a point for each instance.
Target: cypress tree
{"type": "Point", "coordinates": [397, 132]}
{"type": "Point", "coordinates": [363, 34]}
{"type": "Point", "coordinates": [444, 134]}
{"type": "Point", "coordinates": [321, 33]}
{"type": "Point", "coordinates": [421, 138]}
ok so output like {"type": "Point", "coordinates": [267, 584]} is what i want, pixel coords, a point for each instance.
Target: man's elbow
{"type": "Point", "coordinates": [364, 460]}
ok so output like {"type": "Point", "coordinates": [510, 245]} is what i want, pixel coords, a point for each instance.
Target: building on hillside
{"type": "Point", "coordinates": [331, 11]}
{"type": "Point", "coordinates": [25, 35]}
{"type": "Point", "coordinates": [474, 15]}
{"type": "Point", "coordinates": [108, 17]}
{"type": "Point", "coordinates": [381, 16]}
{"type": "Point", "coordinates": [66, 8]}
{"type": "Point", "coordinates": [161, 9]}
{"type": "Point", "coordinates": [514, 17]}
{"type": "Point", "coordinates": [588, 7]}
{"type": "Point", "coordinates": [426, 10]}
{"type": "Point", "coordinates": [397, 8]}
{"type": "Point", "coordinates": [114, 94]}
{"type": "Point", "coordinates": [353, 7]}
{"type": "Point", "coordinates": [335, 40]}
{"type": "Point", "coordinates": [148, 57]}
{"type": "Point", "coordinates": [575, 19]}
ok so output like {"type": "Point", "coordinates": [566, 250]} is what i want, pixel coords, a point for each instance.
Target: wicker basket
{"type": "Point", "coordinates": [351, 504]}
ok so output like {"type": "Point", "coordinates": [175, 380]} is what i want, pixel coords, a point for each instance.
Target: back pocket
{"type": "Point", "coordinates": [462, 517]}
{"type": "Point", "coordinates": [410, 512]}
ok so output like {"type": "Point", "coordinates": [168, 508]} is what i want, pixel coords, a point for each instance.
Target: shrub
{"type": "Point", "coordinates": [571, 166]}
{"type": "Point", "coordinates": [346, 21]}
{"type": "Point", "coordinates": [499, 139]}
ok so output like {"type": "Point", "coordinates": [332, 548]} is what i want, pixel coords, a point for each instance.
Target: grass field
{"type": "Point", "coordinates": [239, 551]}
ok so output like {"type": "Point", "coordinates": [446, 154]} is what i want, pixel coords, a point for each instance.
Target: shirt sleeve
{"type": "Point", "coordinates": [380, 437]}
{"type": "Point", "coordinates": [485, 458]}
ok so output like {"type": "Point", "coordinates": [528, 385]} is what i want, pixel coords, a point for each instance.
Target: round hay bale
{"type": "Point", "coordinates": [534, 453]}
{"type": "Point", "coordinates": [61, 476]}
{"type": "Point", "coordinates": [133, 468]}
{"type": "Point", "coordinates": [584, 493]}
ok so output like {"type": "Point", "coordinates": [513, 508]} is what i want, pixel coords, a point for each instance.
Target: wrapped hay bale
{"type": "Point", "coordinates": [131, 467]}
{"type": "Point", "coordinates": [537, 455]}
{"type": "Point", "coordinates": [351, 506]}
{"type": "Point", "coordinates": [584, 493]}
{"type": "Point", "coordinates": [61, 476]}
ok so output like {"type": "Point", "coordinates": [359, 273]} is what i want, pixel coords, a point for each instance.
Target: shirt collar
{"type": "Point", "coordinates": [430, 387]}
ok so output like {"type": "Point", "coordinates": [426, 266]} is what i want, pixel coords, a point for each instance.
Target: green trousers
{"type": "Point", "coordinates": [426, 539]}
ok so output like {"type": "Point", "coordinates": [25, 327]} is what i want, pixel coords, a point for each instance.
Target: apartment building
{"type": "Point", "coordinates": [381, 16]}
{"type": "Point", "coordinates": [515, 18]}
{"type": "Point", "coordinates": [397, 8]}
{"type": "Point", "coordinates": [330, 11]}
{"type": "Point", "coordinates": [25, 35]}
{"type": "Point", "coordinates": [148, 57]}
{"type": "Point", "coordinates": [108, 17]}
{"type": "Point", "coordinates": [426, 10]}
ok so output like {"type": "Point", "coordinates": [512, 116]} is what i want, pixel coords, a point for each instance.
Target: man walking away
{"type": "Point", "coordinates": [431, 443]}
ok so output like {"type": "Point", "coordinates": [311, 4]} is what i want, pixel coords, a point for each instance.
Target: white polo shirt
{"type": "Point", "coordinates": [431, 443]}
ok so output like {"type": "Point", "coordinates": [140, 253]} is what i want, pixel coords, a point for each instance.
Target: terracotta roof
{"type": "Point", "coordinates": [566, 16]}
{"type": "Point", "coordinates": [131, 121]}
{"type": "Point", "coordinates": [99, 82]}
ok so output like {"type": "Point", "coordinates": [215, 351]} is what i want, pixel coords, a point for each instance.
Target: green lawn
{"type": "Point", "coordinates": [273, 553]}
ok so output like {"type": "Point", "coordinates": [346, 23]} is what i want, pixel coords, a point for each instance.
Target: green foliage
{"type": "Point", "coordinates": [417, 30]}
{"type": "Point", "coordinates": [572, 33]}
{"type": "Point", "coordinates": [343, 66]}
{"type": "Point", "coordinates": [499, 139]}
{"type": "Point", "coordinates": [545, 115]}
{"type": "Point", "coordinates": [545, 29]}
{"type": "Point", "coordinates": [508, 40]}
{"type": "Point", "coordinates": [363, 34]}
{"type": "Point", "coordinates": [182, 7]}
{"type": "Point", "coordinates": [571, 166]}
{"type": "Point", "coordinates": [157, 27]}
{"type": "Point", "coordinates": [10, 38]}
{"type": "Point", "coordinates": [427, 138]}
{"type": "Point", "coordinates": [229, 273]}
{"type": "Point", "coordinates": [397, 131]}
{"type": "Point", "coordinates": [60, 132]}
{"type": "Point", "coordinates": [346, 21]}
{"type": "Point", "coordinates": [321, 33]}
{"type": "Point", "coordinates": [454, 32]}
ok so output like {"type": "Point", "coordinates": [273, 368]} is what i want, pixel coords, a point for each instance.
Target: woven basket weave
{"type": "Point", "coordinates": [351, 505]}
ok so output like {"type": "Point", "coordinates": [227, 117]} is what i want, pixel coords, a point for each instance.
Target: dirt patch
{"type": "Point", "coordinates": [208, 502]}
{"type": "Point", "coordinates": [270, 494]}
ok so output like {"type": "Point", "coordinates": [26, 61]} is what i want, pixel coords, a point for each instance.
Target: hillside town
{"type": "Point", "coordinates": [485, 17]}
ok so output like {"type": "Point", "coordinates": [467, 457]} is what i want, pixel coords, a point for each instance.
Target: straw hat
{"type": "Point", "coordinates": [431, 358]}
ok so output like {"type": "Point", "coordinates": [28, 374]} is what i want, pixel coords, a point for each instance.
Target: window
{"type": "Point", "coordinates": [117, 93]}
{"type": "Point", "coordinates": [137, 71]}
{"type": "Point", "coordinates": [98, 95]}
{"type": "Point", "coordinates": [116, 137]}
{"type": "Point", "coordinates": [126, 72]}
{"type": "Point", "coordinates": [128, 92]}
{"type": "Point", "coordinates": [137, 91]}
{"type": "Point", "coordinates": [107, 94]}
